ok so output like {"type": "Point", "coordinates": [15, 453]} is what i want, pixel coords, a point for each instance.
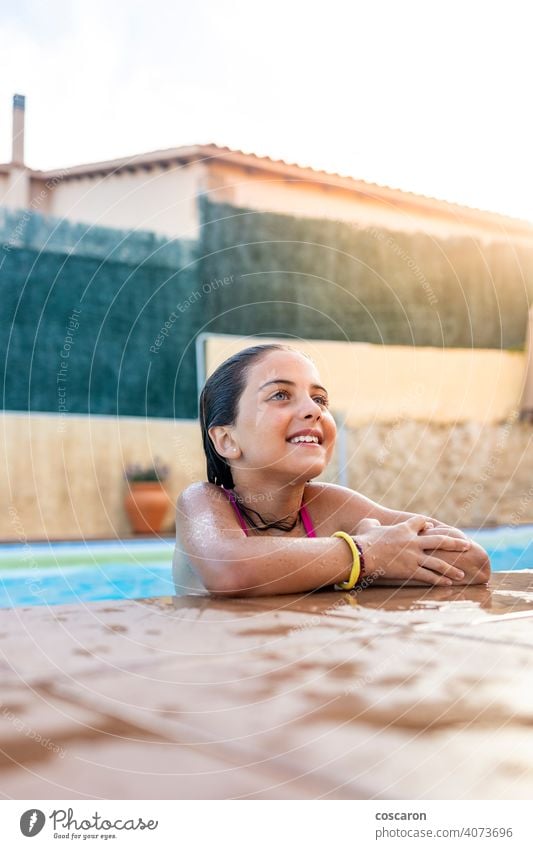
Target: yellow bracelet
{"type": "Point", "coordinates": [356, 565]}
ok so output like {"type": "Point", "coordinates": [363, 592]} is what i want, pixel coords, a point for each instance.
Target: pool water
{"type": "Point", "coordinates": [510, 548]}
{"type": "Point", "coordinates": [66, 573]}
{"type": "Point", "coordinates": [69, 573]}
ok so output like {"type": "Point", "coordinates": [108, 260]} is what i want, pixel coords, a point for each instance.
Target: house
{"type": "Point", "coordinates": [159, 191]}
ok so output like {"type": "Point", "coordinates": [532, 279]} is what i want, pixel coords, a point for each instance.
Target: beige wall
{"type": "Point", "coordinates": [375, 383]}
{"type": "Point", "coordinates": [270, 193]}
{"type": "Point", "coordinates": [164, 201]}
{"type": "Point", "coordinates": [4, 181]}
{"type": "Point", "coordinates": [15, 189]}
{"type": "Point", "coordinates": [63, 478]}
{"type": "Point", "coordinates": [20, 191]}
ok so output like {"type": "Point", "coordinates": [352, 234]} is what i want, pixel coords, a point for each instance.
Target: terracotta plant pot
{"type": "Point", "coordinates": [146, 503]}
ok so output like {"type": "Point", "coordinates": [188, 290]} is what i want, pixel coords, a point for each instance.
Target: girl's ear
{"type": "Point", "coordinates": [224, 443]}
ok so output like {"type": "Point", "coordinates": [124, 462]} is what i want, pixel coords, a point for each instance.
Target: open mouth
{"type": "Point", "coordinates": [307, 441]}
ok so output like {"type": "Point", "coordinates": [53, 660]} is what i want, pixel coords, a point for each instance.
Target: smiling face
{"type": "Point", "coordinates": [283, 397]}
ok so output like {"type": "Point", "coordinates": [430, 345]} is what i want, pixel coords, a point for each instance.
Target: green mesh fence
{"type": "Point", "coordinates": [82, 314]}
{"type": "Point", "coordinates": [330, 280]}
{"type": "Point", "coordinates": [103, 321]}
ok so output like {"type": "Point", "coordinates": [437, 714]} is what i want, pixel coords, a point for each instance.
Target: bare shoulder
{"type": "Point", "coordinates": [200, 497]}
{"type": "Point", "coordinates": [204, 504]}
{"type": "Point", "coordinates": [198, 493]}
{"type": "Point", "coordinates": [339, 507]}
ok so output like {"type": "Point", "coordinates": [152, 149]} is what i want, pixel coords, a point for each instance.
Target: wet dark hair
{"type": "Point", "coordinates": [219, 401]}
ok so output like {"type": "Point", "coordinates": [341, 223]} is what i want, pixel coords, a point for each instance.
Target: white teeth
{"type": "Point", "coordinates": [304, 439]}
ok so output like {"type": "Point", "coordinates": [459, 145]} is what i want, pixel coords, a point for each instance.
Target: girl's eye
{"type": "Point", "coordinates": [320, 399]}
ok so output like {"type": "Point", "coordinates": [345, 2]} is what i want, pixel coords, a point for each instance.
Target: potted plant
{"type": "Point", "coordinates": [146, 501]}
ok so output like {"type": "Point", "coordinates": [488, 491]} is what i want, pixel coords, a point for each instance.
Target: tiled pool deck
{"type": "Point", "coordinates": [397, 693]}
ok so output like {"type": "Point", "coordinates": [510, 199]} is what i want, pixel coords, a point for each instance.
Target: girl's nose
{"type": "Point", "coordinates": [312, 409]}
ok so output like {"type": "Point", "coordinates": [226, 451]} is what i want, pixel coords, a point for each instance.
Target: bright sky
{"type": "Point", "coordinates": [431, 96]}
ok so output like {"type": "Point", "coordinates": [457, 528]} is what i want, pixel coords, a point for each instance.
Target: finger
{"type": "Point", "coordinates": [443, 568]}
{"type": "Point", "coordinates": [445, 542]}
{"type": "Point", "coordinates": [446, 530]}
{"type": "Point", "coordinates": [419, 523]}
{"type": "Point", "coordinates": [429, 577]}
{"type": "Point", "coordinates": [367, 524]}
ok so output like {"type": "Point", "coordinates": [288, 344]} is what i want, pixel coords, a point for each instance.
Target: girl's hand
{"type": "Point", "coordinates": [366, 525]}
{"type": "Point", "coordinates": [475, 562]}
{"type": "Point", "coordinates": [444, 529]}
{"type": "Point", "coordinates": [407, 552]}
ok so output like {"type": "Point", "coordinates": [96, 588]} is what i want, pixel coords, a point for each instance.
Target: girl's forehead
{"type": "Point", "coordinates": [282, 365]}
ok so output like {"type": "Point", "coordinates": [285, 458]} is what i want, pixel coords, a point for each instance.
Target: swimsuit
{"type": "Point", "coordinates": [306, 519]}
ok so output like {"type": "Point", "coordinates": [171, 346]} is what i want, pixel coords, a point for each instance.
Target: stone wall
{"type": "Point", "coordinates": [469, 474]}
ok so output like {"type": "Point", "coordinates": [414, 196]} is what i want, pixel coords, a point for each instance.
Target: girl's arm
{"type": "Point", "coordinates": [474, 562]}
{"type": "Point", "coordinates": [231, 564]}
{"type": "Point", "coordinates": [353, 507]}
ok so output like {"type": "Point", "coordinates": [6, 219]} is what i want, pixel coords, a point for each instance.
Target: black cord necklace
{"type": "Point", "coordinates": [279, 523]}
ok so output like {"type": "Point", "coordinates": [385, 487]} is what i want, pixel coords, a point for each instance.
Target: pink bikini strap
{"type": "Point", "coordinates": [306, 521]}
{"type": "Point", "coordinates": [232, 498]}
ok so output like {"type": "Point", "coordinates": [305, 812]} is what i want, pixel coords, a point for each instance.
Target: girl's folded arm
{"type": "Point", "coordinates": [231, 564]}
{"type": "Point", "coordinates": [475, 562]}
{"type": "Point", "coordinates": [352, 507]}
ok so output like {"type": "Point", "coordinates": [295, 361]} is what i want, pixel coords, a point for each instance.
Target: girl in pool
{"type": "Point", "coordinates": [261, 526]}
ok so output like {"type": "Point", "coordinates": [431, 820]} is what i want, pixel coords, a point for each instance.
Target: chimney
{"type": "Point", "coordinates": [17, 156]}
